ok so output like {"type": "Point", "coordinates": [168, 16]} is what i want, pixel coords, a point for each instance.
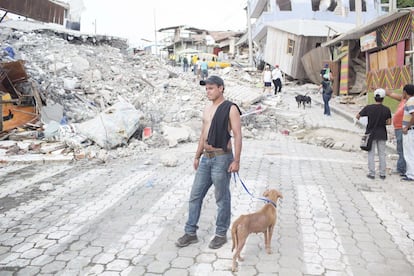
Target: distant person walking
{"type": "Point", "coordinates": [408, 132]}
{"type": "Point", "coordinates": [267, 79]}
{"type": "Point", "coordinates": [378, 117]}
{"type": "Point", "coordinates": [204, 69]}
{"type": "Point", "coordinates": [185, 64]}
{"type": "Point", "coordinates": [397, 124]}
{"type": "Point", "coordinates": [326, 95]}
{"type": "Point", "coordinates": [277, 79]}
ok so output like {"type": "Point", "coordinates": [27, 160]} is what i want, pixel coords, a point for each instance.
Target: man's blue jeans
{"type": "Point", "coordinates": [326, 109]}
{"type": "Point", "coordinates": [211, 171]}
{"type": "Point", "coordinates": [380, 145]}
{"type": "Point", "coordinates": [401, 166]}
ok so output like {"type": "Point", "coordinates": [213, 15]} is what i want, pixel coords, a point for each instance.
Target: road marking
{"type": "Point", "coordinates": [33, 206]}
{"type": "Point", "coordinates": [313, 205]}
{"type": "Point", "coordinates": [14, 186]}
{"type": "Point", "coordinates": [396, 221]}
{"type": "Point", "coordinates": [91, 210]}
{"type": "Point", "coordinates": [150, 222]}
{"type": "Point", "coordinates": [308, 158]}
{"type": "Point", "coordinates": [11, 169]}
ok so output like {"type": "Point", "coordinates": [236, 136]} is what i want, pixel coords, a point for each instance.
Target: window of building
{"type": "Point", "coordinates": [291, 46]}
{"type": "Point", "coordinates": [352, 5]}
{"type": "Point", "coordinates": [284, 5]}
{"type": "Point", "coordinates": [320, 5]}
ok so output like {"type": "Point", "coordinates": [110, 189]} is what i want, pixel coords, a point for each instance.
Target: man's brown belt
{"type": "Point", "coordinates": [214, 153]}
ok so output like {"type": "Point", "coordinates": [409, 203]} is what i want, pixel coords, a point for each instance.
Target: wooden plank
{"type": "Point", "coordinates": [382, 59]}
{"type": "Point", "coordinates": [392, 56]}
{"type": "Point", "coordinates": [373, 62]}
{"type": "Point", "coordinates": [312, 63]}
{"type": "Point", "coordinates": [400, 53]}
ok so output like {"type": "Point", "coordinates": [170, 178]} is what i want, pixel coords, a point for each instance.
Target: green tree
{"type": "Point", "coordinates": [405, 3]}
{"type": "Point", "coordinates": [401, 3]}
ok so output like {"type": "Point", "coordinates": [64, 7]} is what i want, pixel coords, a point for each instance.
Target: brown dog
{"type": "Point", "coordinates": [262, 221]}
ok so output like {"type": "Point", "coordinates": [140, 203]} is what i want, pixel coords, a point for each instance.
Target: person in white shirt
{"type": "Point", "coordinates": [277, 79]}
{"type": "Point", "coordinates": [267, 79]}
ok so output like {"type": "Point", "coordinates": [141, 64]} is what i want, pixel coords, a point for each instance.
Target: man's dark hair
{"type": "Point", "coordinates": [378, 99]}
{"type": "Point", "coordinates": [409, 88]}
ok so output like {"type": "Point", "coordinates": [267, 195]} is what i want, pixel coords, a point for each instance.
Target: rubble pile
{"type": "Point", "coordinates": [97, 99]}
{"type": "Point", "coordinates": [78, 82]}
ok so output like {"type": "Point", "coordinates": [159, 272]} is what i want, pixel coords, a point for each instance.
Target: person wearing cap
{"type": "Point", "coordinates": [277, 79]}
{"type": "Point", "coordinates": [397, 124]}
{"type": "Point", "coordinates": [379, 116]}
{"type": "Point", "coordinates": [408, 132]}
{"type": "Point", "coordinates": [214, 161]}
{"type": "Point", "coordinates": [326, 72]}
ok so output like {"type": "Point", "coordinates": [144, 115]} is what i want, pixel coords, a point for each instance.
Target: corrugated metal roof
{"type": "Point", "coordinates": [356, 33]}
{"type": "Point", "coordinates": [307, 27]}
{"type": "Point", "coordinates": [41, 10]}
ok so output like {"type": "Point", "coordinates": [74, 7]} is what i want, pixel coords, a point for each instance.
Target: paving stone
{"type": "Point", "coordinates": [42, 260]}
{"type": "Point", "coordinates": [157, 267]}
{"type": "Point", "coordinates": [117, 265]}
{"type": "Point", "coordinates": [53, 267]}
{"type": "Point", "coordinates": [90, 251]}
{"type": "Point", "coordinates": [32, 253]}
{"type": "Point", "coordinates": [78, 263]}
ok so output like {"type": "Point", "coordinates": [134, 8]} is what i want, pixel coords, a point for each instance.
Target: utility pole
{"type": "Point", "coordinates": [358, 12]}
{"type": "Point", "coordinates": [155, 35]}
{"type": "Point", "coordinates": [249, 34]}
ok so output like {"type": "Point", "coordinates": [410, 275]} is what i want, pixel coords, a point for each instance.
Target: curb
{"type": "Point", "coordinates": [350, 118]}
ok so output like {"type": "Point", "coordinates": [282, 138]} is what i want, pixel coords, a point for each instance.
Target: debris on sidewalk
{"type": "Point", "coordinates": [75, 103]}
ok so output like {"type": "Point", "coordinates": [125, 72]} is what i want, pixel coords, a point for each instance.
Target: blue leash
{"type": "Point", "coordinates": [247, 190]}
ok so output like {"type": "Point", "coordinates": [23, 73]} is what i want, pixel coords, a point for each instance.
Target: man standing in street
{"type": "Point", "coordinates": [397, 124]}
{"type": "Point", "coordinates": [408, 132]}
{"type": "Point", "coordinates": [277, 79]}
{"type": "Point", "coordinates": [379, 116]}
{"type": "Point", "coordinates": [214, 162]}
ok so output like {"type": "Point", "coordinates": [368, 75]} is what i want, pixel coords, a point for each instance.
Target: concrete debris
{"type": "Point", "coordinates": [112, 127]}
{"type": "Point", "coordinates": [98, 99]}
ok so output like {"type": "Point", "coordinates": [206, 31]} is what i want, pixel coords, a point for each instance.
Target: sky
{"type": "Point", "coordinates": [137, 20]}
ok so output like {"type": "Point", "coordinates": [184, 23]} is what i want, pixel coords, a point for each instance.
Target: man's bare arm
{"type": "Point", "coordinates": [235, 123]}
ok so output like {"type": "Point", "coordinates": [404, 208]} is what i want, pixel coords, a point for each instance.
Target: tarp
{"type": "Point", "coordinates": [112, 127]}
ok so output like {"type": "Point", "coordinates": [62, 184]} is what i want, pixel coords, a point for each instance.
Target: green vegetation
{"type": "Point", "coordinates": [391, 103]}
{"type": "Point", "coordinates": [401, 3]}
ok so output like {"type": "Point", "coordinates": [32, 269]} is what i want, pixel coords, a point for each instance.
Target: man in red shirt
{"type": "Point", "coordinates": [397, 124]}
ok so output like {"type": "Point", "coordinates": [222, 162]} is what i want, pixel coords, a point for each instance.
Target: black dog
{"type": "Point", "coordinates": [302, 100]}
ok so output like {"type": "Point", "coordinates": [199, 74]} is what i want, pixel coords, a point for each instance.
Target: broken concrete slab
{"type": "Point", "coordinates": [112, 127]}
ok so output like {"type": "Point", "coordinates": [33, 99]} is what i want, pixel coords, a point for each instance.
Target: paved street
{"type": "Point", "coordinates": [123, 217]}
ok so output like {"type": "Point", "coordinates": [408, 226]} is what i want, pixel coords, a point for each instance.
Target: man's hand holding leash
{"type": "Point", "coordinates": [234, 166]}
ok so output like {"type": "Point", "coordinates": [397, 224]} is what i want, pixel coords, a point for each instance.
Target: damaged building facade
{"type": "Point", "coordinates": [280, 31]}
{"type": "Point", "coordinates": [383, 49]}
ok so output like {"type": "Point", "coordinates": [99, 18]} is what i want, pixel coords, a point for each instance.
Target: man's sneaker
{"type": "Point", "coordinates": [406, 178]}
{"type": "Point", "coordinates": [217, 242]}
{"type": "Point", "coordinates": [382, 177]}
{"type": "Point", "coordinates": [186, 240]}
{"type": "Point", "coordinates": [370, 176]}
